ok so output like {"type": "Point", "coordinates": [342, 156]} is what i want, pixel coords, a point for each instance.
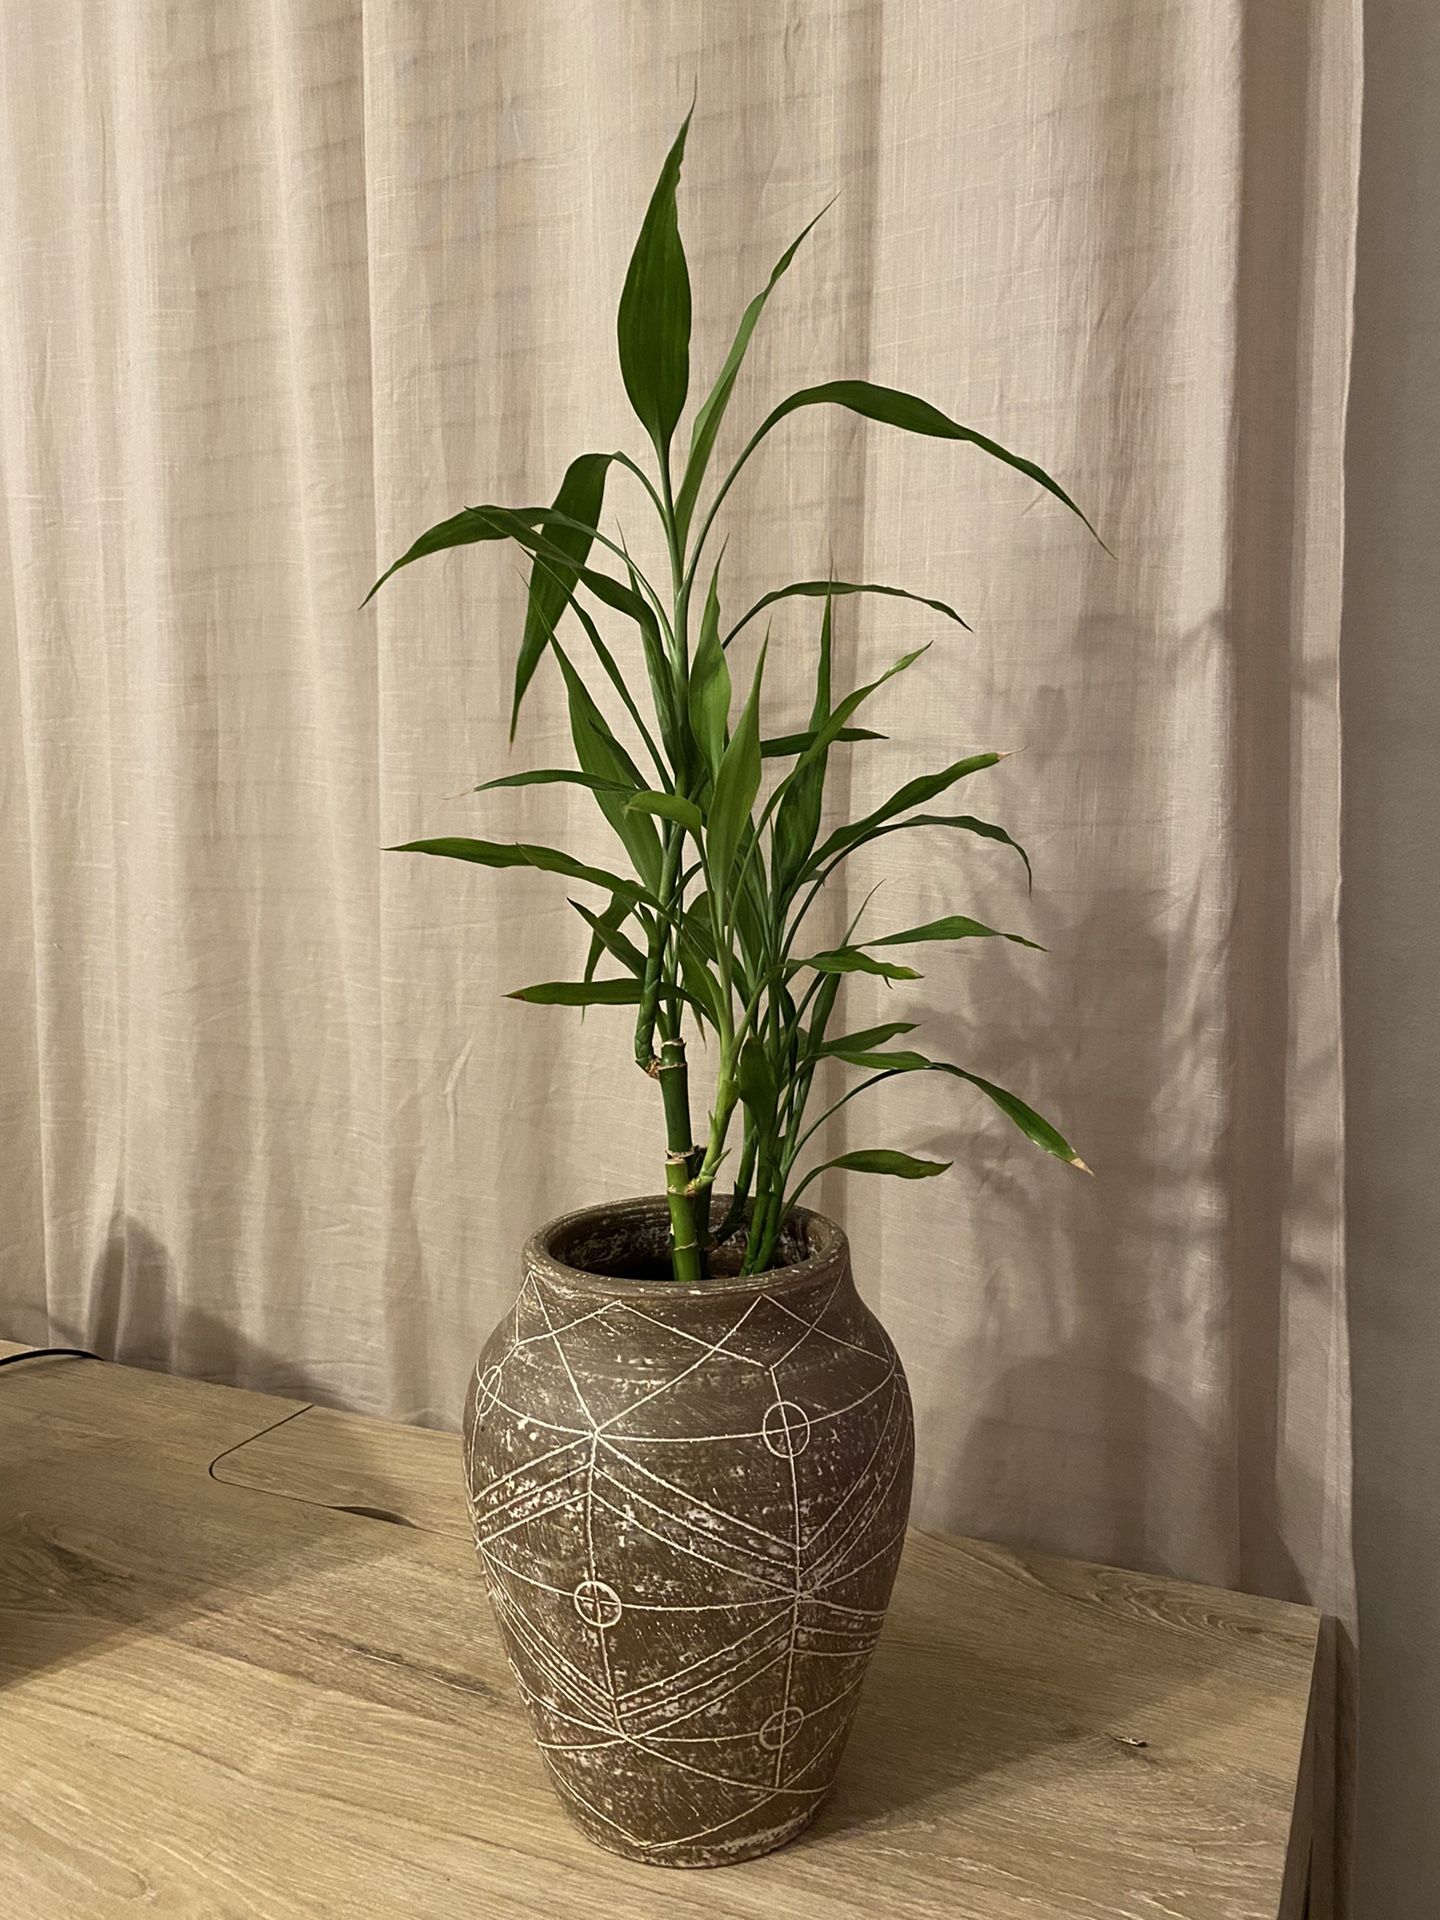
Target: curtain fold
{"type": "Point", "coordinates": [286, 283]}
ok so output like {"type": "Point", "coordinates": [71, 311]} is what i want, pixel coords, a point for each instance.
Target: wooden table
{"type": "Point", "coordinates": [231, 1687]}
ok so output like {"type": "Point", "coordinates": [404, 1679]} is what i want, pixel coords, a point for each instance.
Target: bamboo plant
{"type": "Point", "coordinates": [707, 928]}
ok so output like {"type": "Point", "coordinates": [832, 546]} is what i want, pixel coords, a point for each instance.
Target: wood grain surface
{"type": "Point", "coordinates": [222, 1695]}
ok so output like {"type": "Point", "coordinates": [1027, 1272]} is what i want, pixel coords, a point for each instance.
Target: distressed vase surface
{"type": "Point", "coordinates": [689, 1504]}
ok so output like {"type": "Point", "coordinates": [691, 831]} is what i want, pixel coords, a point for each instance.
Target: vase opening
{"type": "Point", "coordinates": [629, 1241]}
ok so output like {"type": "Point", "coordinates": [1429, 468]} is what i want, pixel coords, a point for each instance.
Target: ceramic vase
{"type": "Point", "coordinates": [689, 1503]}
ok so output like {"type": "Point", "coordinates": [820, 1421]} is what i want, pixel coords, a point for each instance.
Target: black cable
{"type": "Point", "coordinates": [39, 1353]}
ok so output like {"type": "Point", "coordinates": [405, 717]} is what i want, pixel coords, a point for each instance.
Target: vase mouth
{"type": "Point", "coordinates": [602, 1251]}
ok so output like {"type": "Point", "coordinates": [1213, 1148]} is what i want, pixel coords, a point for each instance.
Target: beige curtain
{"type": "Point", "coordinates": [288, 280]}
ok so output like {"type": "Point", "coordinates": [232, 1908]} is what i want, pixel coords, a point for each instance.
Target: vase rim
{"type": "Point", "coordinates": [828, 1255]}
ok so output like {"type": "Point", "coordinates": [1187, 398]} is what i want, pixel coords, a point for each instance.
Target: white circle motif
{"type": "Point", "coordinates": [786, 1428]}
{"type": "Point", "coordinates": [781, 1727]}
{"type": "Point", "coordinates": [597, 1603]}
{"type": "Point", "coordinates": [487, 1391]}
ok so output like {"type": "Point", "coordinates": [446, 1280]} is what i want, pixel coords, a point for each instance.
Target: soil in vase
{"type": "Point", "coordinates": [689, 1504]}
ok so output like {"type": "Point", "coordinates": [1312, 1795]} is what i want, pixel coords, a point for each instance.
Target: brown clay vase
{"type": "Point", "coordinates": [689, 1504]}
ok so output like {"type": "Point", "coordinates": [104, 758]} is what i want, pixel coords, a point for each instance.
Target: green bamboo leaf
{"type": "Point", "coordinates": [748, 907]}
{"type": "Point", "coordinates": [818, 589]}
{"type": "Point", "coordinates": [823, 1006]}
{"type": "Point", "coordinates": [629, 600]}
{"type": "Point", "coordinates": [605, 927]}
{"type": "Point", "coordinates": [592, 993]}
{"type": "Point", "coordinates": [737, 782]}
{"type": "Point", "coordinates": [466, 528]}
{"type": "Point", "coordinates": [581, 497]}
{"type": "Point", "coordinates": [661, 673]}
{"type": "Point", "coordinates": [669, 806]}
{"type": "Point", "coordinates": [504, 523]}
{"type": "Point", "coordinates": [602, 755]}
{"type": "Point", "coordinates": [827, 731]}
{"type": "Point", "coordinates": [698, 930]}
{"type": "Point", "coordinates": [497, 853]}
{"type": "Point", "coordinates": [912, 415]}
{"type": "Point", "coordinates": [654, 318]}
{"type": "Point", "coordinates": [638, 609]}
{"type": "Point", "coordinates": [616, 678]}
{"type": "Point", "coordinates": [710, 690]}
{"type": "Point", "coordinates": [797, 815]}
{"type": "Point", "coordinates": [1030, 1123]}
{"type": "Point", "coordinates": [914, 793]}
{"type": "Point", "coordinates": [834, 726]}
{"type": "Point", "coordinates": [786, 744]}
{"type": "Point", "coordinates": [702, 988]}
{"type": "Point", "coordinates": [863, 1041]}
{"type": "Point", "coordinates": [708, 419]}
{"type": "Point", "coordinates": [696, 949]}
{"type": "Point", "coordinates": [853, 960]}
{"type": "Point", "coordinates": [460, 530]}
{"type": "Point", "coordinates": [820, 705]}
{"type": "Point", "coordinates": [903, 1166]}
{"type": "Point", "coordinates": [552, 776]}
{"type": "Point", "coordinates": [735, 1213]}
{"type": "Point", "coordinates": [954, 926]}
{"type": "Point", "coordinates": [755, 1076]}
{"type": "Point", "coordinates": [879, 1061]}
{"type": "Point", "coordinates": [522, 525]}
{"type": "Point", "coordinates": [614, 917]}
{"type": "Point", "coordinates": [580, 993]}
{"type": "Point", "coordinates": [964, 822]}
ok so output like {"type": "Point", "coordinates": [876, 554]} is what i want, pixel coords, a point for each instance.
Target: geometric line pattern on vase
{"type": "Point", "coordinates": [784, 1589]}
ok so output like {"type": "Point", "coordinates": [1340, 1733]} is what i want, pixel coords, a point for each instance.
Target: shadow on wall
{"type": "Point", "coordinates": [137, 1311]}
{"type": "Point", "coordinates": [1092, 1291]}
{"type": "Point", "coordinates": [1126, 1364]}
{"type": "Point", "coordinates": [1112, 1453]}
{"type": "Point", "coordinates": [138, 1314]}
{"type": "Point", "coordinates": [140, 1318]}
